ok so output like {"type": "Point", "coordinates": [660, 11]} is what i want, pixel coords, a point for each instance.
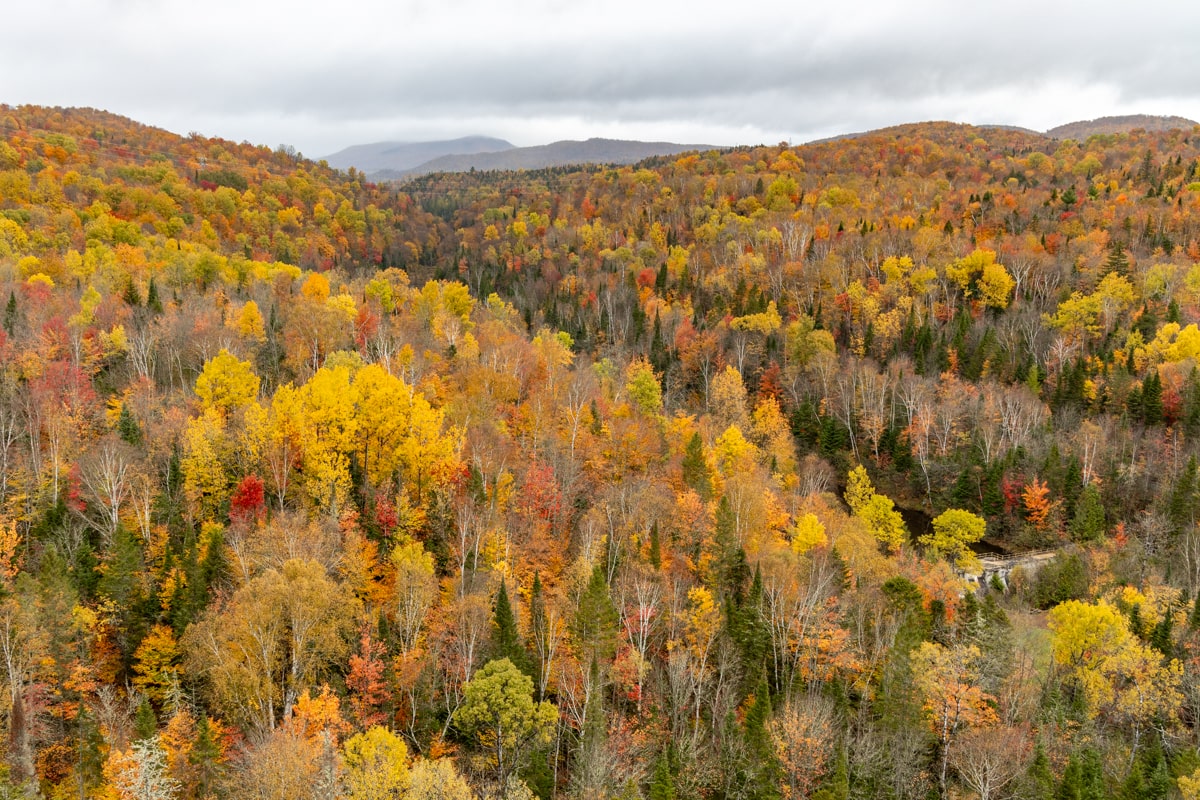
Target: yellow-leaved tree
{"type": "Point", "coordinates": [876, 510]}
{"type": "Point", "coordinates": [980, 275]}
{"type": "Point", "coordinates": [1113, 670]}
{"type": "Point", "coordinates": [399, 434]}
{"type": "Point", "coordinates": [376, 765]}
{"type": "Point", "coordinates": [954, 531]}
{"type": "Point", "coordinates": [226, 383]}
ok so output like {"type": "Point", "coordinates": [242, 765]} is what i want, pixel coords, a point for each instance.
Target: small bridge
{"type": "Point", "coordinates": [1001, 566]}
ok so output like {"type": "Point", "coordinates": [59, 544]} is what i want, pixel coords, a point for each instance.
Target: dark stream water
{"type": "Point", "coordinates": [919, 523]}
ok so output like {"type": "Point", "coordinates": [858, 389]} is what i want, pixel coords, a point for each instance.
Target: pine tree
{"type": "Point", "coordinates": [128, 428]}
{"type": "Point", "coordinates": [1072, 485]}
{"type": "Point", "coordinates": [145, 723]}
{"type": "Point", "coordinates": [205, 757]}
{"type": "Point", "coordinates": [506, 639]}
{"type": "Point", "coordinates": [1152, 402]}
{"type": "Point", "coordinates": [1183, 503]}
{"type": "Point", "coordinates": [1039, 780]}
{"type": "Point", "coordinates": [662, 785]}
{"type": "Point", "coordinates": [152, 300]}
{"type": "Point", "coordinates": [1134, 786]}
{"type": "Point", "coordinates": [655, 547]}
{"type": "Point", "coordinates": [595, 624]}
{"type": "Point", "coordinates": [11, 314]}
{"type": "Point", "coordinates": [536, 637]}
{"type": "Point", "coordinates": [762, 768]}
{"type": "Point", "coordinates": [1162, 636]}
{"type": "Point", "coordinates": [1154, 769]}
{"type": "Point", "coordinates": [1088, 524]}
{"type": "Point", "coordinates": [131, 296]}
{"type": "Point", "coordinates": [695, 468]}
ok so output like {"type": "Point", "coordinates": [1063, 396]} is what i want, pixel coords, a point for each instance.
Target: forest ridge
{"type": "Point", "coordinates": [660, 481]}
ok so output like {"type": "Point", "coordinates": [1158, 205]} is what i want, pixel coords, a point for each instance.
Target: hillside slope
{"type": "Point", "coordinates": [1101, 125]}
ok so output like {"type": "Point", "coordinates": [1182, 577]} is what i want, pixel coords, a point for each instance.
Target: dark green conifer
{"type": "Point", "coordinates": [506, 638]}
{"type": "Point", "coordinates": [145, 723]}
{"type": "Point", "coordinates": [152, 300]}
{"type": "Point", "coordinates": [662, 784]}
{"type": "Point", "coordinates": [595, 623]}
{"type": "Point", "coordinates": [128, 428]}
{"type": "Point", "coordinates": [11, 314]}
{"type": "Point", "coordinates": [1088, 524]}
{"type": "Point", "coordinates": [654, 554]}
{"type": "Point", "coordinates": [695, 468]}
{"type": "Point", "coordinates": [1152, 402]}
{"type": "Point", "coordinates": [1039, 780]}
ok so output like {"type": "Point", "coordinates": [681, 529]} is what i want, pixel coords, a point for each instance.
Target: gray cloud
{"type": "Point", "coordinates": [324, 75]}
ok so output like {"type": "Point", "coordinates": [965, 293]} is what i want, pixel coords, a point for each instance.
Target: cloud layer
{"type": "Point", "coordinates": [324, 76]}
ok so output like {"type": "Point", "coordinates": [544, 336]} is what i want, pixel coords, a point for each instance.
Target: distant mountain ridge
{"type": "Point", "coordinates": [1102, 125]}
{"type": "Point", "coordinates": [1071, 130]}
{"type": "Point", "coordinates": [555, 154]}
{"type": "Point", "coordinates": [390, 161]}
{"type": "Point", "coordinates": [402, 156]}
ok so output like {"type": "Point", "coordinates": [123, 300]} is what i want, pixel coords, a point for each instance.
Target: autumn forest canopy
{"type": "Point", "coordinates": [860, 469]}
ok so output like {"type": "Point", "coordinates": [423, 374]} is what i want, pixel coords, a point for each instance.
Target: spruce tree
{"type": "Point", "coordinates": [537, 633]}
{"type": "Point", "coordinates": [1088, 523]}
{"type": "Point", "coordinates": [1183, 503]}
{"type": "Point", "coordinates": [205, 757]}
{"type": "Point", "coordinates": [1152, 402]}
{"type": "Point", "coordinates": [128, 428]}
{"type": "Point", "coordinates": [11, 314]}
{"type": "Point", "coordinates": [1039, 780]}
{"type": "Point", "coordinates": [655, 547]}
{"type": "Point", "coordinates": [695, 468]}
{"type": "Point", "coordinates": [131, 296]}
{"type": "Point", "coordinates": [145, 723]}
{"type": "Point", "coordinates": [506, 639]}
{"type": "Point", "coordinates": [152, 300]}
{"type": "Point", "coordinates": [662, 785]}
{"type": "Point", "coordinates": [595, 623]}
{"type": "Point", "coordinates": [762, 768]}
{"type": "Point", "coordinates": [1162, 636]}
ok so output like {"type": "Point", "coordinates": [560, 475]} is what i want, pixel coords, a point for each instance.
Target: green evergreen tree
{"type": "Point", "coordinates": [662, 784]}
{"type": "Point", "coordinates": [152, 300]}
{"type": "Point", "coordinates": [595, 623]}
{"type": "Point", "coordinates": [1183, 503]}
{"type": "Point", "coordinates": [145, 723]}
{"type": "Point", "coordinates": [122, 583]}
{"type": "Point", "coordinates": [695, 468]}
{"type": "Point", "coordinates": [1157, 774]}
{"type": "Point", "coordinates": [655, 547]}
{"type": "Point", "coordinates": [1134, 786]}
{"type": "Point", "coordinates": [837, 785]}
{"type": "Point", "coordinates": [762, 767]}
{"type": "Point", "coordinates": [1039, 780]}
{"type": "Point", "coordinates": [11, 314]}
{"type": "Point", "coordinates": [506, 638]}
{"type": "Point", "coordinates": [537, 633]}
{"type": "Point", "coordinates": [205, 758]}
{"type": "Point", "coordinates": [1152, 402]}
{"type": "Point", "coordinates": [1162, 635]}
{"type": "Point", "coordinates": [1088, 524]}
{"type": "Point", "coordinates": [1072, 485]}
{"type": "Point", "coordinates": [128, 428]}
{"type": "Point", "coordinates": [131, 296]}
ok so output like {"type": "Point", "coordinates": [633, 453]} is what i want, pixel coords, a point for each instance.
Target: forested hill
{"type": "Point", "coordinates": [588, 482]}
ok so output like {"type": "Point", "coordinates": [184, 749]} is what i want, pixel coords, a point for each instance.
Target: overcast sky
{"type": "Point", "coordinates": [322, 76]}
